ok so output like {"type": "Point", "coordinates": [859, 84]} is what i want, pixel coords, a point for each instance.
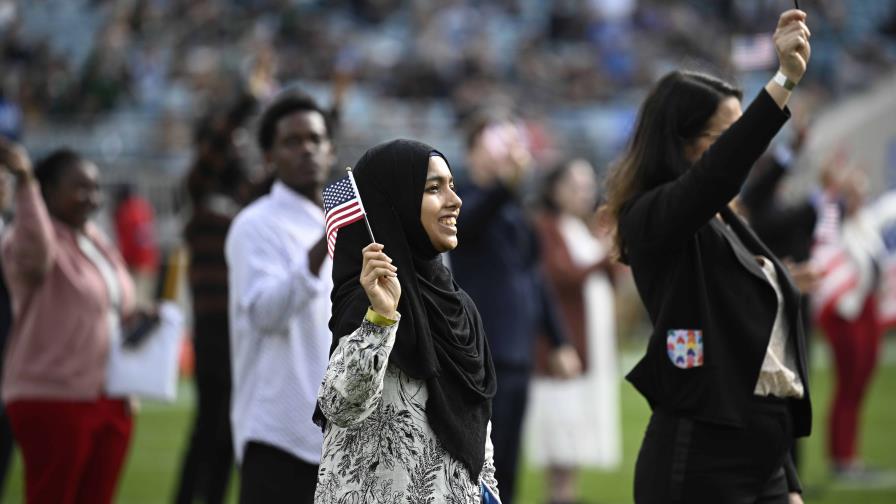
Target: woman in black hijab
{"type": "Point", "coordinates": [406, 400]}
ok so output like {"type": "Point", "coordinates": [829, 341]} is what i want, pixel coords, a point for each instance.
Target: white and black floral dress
{"type": "Point", "coordinates": [378, 446]}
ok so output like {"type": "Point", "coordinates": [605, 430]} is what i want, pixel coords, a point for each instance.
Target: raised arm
{"type": "Point", "coordinates": [353, 384]}
{"type": "Point", "coordinates": [480, 206]}
{"type": "Point", "coordinates": [758, 193]}
{"type": "Point", "coordinates": [667, 215]}
{"type": "Point", "coordinates": [29, 248]}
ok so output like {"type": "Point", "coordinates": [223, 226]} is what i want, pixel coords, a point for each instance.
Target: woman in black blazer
{"type": "Point", "coordinates": [724, 370]}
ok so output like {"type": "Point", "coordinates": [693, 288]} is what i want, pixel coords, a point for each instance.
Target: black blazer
{"type": "Point", "coordinates": [694, 273]}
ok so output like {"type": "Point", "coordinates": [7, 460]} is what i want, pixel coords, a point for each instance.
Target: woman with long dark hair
{"type": "Point", "coordinates": [406, 399]}
{"type": "Point", "coordinates": [586, 431]}
{"type": "Point", "coordinates": [725, 368]}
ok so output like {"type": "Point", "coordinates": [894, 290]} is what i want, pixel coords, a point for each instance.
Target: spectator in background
{"type": "Point", "coordinates": [786, 228]}
{"type": "Point", "coordinates": [499, 267]}
{"type": "Point", "coordinates": [106, 80]}
{"type": "Point", "coordinates": [280, 277]}
{"type": "Point", "coordinates": [135, 228]}
{"type": "Point", "coordinates": [585, 431]}
{"type": "Point", "coordinates": [218, 187]}
{"type": "Point", "coordinates": [849, 257]}
{"type": "Point", "coordinates": [70, 291]}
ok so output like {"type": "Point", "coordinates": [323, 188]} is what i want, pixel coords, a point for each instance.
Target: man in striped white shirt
{"type": "Point", "coordinates": [280, 282]}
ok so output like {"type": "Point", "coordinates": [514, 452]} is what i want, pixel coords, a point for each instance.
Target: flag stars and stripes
{"type": "Point", "coordinates": [342, 207]}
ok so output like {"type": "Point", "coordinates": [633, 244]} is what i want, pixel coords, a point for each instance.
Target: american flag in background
{"type": "Point", "coordinates": [753, 52]}
{"type": "Point", "coordinates": [342, 206]}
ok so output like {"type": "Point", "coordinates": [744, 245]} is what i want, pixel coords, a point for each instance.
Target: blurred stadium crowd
{"type": "Point", "coordinates": [141, 72]}
{"type": "Point", "coordinates": [148, 88]}
{"type": "Point", "coordinates": [152, 89]}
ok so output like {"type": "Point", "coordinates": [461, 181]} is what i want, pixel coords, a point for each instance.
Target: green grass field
{"type": "Point", "coordinates": [154, 458]}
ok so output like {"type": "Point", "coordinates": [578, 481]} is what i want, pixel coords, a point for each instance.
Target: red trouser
{"type": "Point", "coordinates": [855, 345]}
{"type": "Point", "coordinates": [73, 451]}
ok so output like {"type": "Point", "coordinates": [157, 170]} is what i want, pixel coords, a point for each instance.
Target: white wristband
{"type": "Point", "coordinates": [782, 80]}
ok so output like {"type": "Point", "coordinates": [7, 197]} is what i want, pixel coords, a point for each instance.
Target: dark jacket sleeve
{"type": "Point", "coordinates": [786, 228]}
{"type": "Point", "coordinates": [759, 190]}
{"type": "Point", "coordinates": [786, 224]}
{"type": "Point", "coordinates": [479, 206]}
{"type": "Point", "coordinates": [554, 327]}
{"type": "Point", "coordinates": [668, 215]}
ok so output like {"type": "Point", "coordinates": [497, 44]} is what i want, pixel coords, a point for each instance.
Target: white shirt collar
{"type": "Point", "coordinates": [281, 194]}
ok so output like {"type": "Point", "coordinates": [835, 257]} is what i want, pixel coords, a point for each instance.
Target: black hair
{"type": "Point", "coordinates": [49, 170]}
{"type": "Point", "coordinates": [674, 114]}
{"type": "Point", "coordinates": [283, 105]}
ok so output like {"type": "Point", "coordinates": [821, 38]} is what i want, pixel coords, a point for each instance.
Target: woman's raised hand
{"type": "Point", "coordinates": [792, 44]}
{"type": "Point", "coordinates": [379, 278]}
{"type": "Point", "coordinates": [14, 158]}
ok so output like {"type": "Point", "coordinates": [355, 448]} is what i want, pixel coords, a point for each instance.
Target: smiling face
{"type": "Point", "coordinates": [440, 206]}
{"type": "Point", "coordinates": [75, 195]}
{"type": "Point", "coordinates": [726, 114]}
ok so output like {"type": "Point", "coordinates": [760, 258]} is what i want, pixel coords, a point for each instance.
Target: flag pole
{"type": "Point", "coordinates": [797, 4]}
{"type": "Point", "coordinates": [363, 212]}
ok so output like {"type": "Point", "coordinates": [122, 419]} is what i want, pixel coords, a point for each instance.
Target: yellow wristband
{"type": "Point", "coordinates": [378, 319]}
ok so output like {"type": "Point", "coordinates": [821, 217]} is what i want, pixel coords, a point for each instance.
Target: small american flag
{"type": "Point", "coordinates": [342, 206]}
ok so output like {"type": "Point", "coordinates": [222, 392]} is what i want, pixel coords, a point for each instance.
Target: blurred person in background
{"type": "Point", "coordinates": [135, 230]}
{"type": "Point", "coordinates": [218, 187]}
{"type": "Point", "coordinates": [585, 431]}
{"type": "Point", "coordinates": [725, 368]}
{"type": "Point", "coordinates": [787, 228]}
{"type": "Point", "coordinates": [279, 281]}
{"type": "Point", "coordinates": [849, 253]}
{"type": "Point", "coordinates": [339, 86]}
{"type": "Point", "coordinates": [499, 265]}
{"type": "Point", "coordinates": [70, 291]}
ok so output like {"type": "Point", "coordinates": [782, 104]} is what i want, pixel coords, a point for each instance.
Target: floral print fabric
{"type": "Point", "coordinates": [378, 445]}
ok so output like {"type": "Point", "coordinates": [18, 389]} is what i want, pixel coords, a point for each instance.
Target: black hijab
{"type": "Point", "coordinates": [440, 337]}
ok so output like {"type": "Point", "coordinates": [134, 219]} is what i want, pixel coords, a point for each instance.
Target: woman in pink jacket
{"type": "Point", "coordinates": [70, 291]}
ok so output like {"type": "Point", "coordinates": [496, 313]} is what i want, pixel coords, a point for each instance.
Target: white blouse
{"type": "Point", "coordinates": [778, 376]}
{"type": "Point", "coordinates": [378, 445]}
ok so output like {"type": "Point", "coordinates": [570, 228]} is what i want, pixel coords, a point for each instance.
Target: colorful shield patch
{"type": "Point", "coordinates": [685, 347]}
